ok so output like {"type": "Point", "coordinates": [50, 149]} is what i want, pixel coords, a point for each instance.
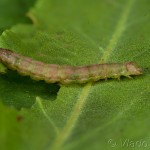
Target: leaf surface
{"type": "Point", "coordinates": [13, 12]}
{"type": "Point", "coordinates": [99, 115]}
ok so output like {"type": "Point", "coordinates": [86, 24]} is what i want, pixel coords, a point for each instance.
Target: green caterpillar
{"type": "Point", "coordinates": [63, 74]}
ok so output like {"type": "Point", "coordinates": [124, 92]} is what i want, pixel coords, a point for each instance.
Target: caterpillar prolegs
{"type": "Point", "coordinates": [64, 74]}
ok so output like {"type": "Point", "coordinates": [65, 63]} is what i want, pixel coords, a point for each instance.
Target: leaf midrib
{"type": "Point", "coordinates": [66, 132]}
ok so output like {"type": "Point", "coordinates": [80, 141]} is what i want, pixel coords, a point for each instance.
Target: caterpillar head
{"type": "Point", "coordinates": [133, 68]}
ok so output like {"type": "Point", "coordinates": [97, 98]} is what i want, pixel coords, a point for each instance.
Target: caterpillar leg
{"type": "Point", "coordinates": [128, 76]}
{"type": "Point", "coordinates": [3, 69]}
{"type": "Point", "coordinates": [118, 78]}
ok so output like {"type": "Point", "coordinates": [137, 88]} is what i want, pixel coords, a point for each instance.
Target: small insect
{"type": "Point", "coordinates": [64, 74]}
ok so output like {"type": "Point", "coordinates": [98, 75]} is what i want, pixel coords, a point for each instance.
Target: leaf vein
{"type": "Point", "coordinates": [38, 100]}
{"type": "Point", "coordinates": [66, 132]}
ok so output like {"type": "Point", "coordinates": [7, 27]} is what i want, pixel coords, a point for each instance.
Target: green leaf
{"type": "Point", "coordinates": [102, 115]}
{"type": "Point", "coordinates": [13, 12]}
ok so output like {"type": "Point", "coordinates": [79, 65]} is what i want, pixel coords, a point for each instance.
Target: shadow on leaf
{"type": "Point", "coordinates": [20, 92]}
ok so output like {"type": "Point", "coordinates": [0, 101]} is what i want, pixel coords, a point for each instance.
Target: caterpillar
{"type": "Point", "coordinates": [64, 74]}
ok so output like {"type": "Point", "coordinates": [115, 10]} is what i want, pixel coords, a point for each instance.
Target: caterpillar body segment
{"type": "Point", "coordinates": [64, 74]}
